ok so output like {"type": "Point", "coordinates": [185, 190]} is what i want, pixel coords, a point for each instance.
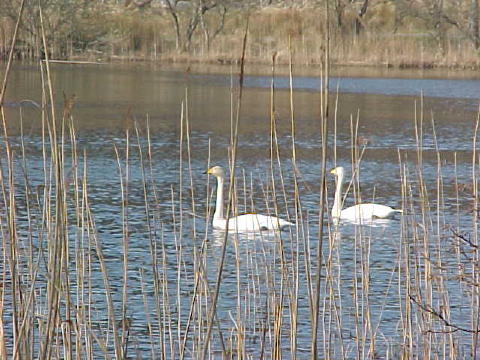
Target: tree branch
{"type": "Point", "coordinates": [465, 238]}
{"type": "Point", "coordinates": [438, 315]}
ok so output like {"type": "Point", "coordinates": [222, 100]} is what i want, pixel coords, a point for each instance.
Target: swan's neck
{"type": "Point", "coordinates": [337, 202]}
{"type": "Point", "coordinates": [219, 205]}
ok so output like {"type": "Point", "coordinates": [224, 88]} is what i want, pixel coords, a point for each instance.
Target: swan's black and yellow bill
{"type": "Point", "coordinates": [209, 171]}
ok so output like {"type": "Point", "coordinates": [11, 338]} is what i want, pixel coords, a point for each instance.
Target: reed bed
{"type": "Point", "coordinates": [392, 35]}
{"type": "Point", "coordinates": [141, 274]}
{"type": "Point", "coordinates": [73, 285]}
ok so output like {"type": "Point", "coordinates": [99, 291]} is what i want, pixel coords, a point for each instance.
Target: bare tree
{"type": "Point", "coordinates": [211, 33]}
{"type": "Point", "coordinates": [138, 4]}
{"type": "Point", "coordinates": [359, 17]}
{"type": "Point", "coordinates": [342, 7]}
{"type": "Point", "coordinates": [172, 6]}
{"type": "Point", "coordinates": [439, 16]}
{"type": "Point", "coordinates": [339, 7]}
{"type": "Point", "coordinates": [474, 24]}
{"type": "Point", "coordinates": [188, 15]}
{"type": "Point", "coordinates": [61, 20]}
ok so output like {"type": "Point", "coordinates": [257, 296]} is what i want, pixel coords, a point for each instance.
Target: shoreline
{"type": "Point", "coordinates": [209, 60]}
{"type": "Point", "coordinates": [259, 67]}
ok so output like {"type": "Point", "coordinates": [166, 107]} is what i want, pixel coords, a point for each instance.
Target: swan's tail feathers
{"type": "Point", "coordinates": [285, 225]}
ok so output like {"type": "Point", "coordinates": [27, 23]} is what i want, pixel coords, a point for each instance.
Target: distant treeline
{"type": "Point", "coordinates": [417, 33]}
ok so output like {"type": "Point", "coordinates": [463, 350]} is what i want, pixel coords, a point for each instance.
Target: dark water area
{"type": "Point", "coordinates": [387, 105]}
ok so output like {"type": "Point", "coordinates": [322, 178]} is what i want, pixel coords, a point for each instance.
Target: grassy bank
{"type": "Point", "coordinates": [390, 35]}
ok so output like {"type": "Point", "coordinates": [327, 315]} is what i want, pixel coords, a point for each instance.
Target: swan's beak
{"type": "Point", "coordinates": [332, 171]}
{"type": "Point", "coordinates": [208, 171]}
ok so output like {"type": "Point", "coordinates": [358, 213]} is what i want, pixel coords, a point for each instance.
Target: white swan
{"type": "Point", "coordinates": [360, 212]}
{"type": "Point", "coordinates": [245, 222]}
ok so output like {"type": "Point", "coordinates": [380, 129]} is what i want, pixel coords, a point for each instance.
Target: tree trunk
{"type": "Point", "coordinates": [359, 18]}
{"type": "Point", "coordinates": [196, 18]}
{"type": "Point", "coordinates": [176, 23]}
{"type": "Point", "coordinates": [474, 18]}
{"type": "Point", "coordinates": [339, 7]}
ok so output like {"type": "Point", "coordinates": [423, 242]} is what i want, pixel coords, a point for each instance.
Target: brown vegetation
{"type": "Point", "coordinates": [423, 33]}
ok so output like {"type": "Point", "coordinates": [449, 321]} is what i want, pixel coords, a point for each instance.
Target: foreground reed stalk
{"type": "Point", "coordinates": [9, 255]}
{"type": "Point", "coordinates": [324, 111]}
{"type": "Point", "coordinates": [229, 206]}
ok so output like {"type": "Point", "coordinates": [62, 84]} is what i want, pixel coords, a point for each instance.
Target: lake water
{"type": "Point", "coordinates": [110, 98]}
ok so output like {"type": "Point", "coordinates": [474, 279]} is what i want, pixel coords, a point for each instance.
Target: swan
{"type": "Point", "coordinates": [360, 212]}
{"type": "Point", "coordinates": [245, 222]}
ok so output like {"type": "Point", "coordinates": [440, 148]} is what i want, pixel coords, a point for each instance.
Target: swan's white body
{"type": "Point", "coordinates": [245, 222]}
{"type": "Point", "coordinates": [360, 212]}
{"type": "Point", "coordinates": [251, 222]}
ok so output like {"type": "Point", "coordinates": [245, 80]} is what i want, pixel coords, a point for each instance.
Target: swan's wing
{"type": "Point", "coordinates": [382, 211]}
{"type": "Point", "coordinates": [367, 211]}
{"type": "Point", "coordinates": [354, 213]}
{"type": "Point", "coordinates": [272, 222]}
{"type": "Point", "coordinates": [256, 222]}
{"type": "Point", "coordinates": [245, 222]}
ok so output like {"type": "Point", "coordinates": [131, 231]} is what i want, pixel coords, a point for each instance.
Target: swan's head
{"type": "Point", "coordinates": [216, 171]}
{"type": "Point", "coordinates": [338, 171]}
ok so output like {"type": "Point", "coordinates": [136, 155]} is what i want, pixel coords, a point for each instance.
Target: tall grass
{"type": "Point", "coordinates": [103, 32]}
